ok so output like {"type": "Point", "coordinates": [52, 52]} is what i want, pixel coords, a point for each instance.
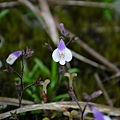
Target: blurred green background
{"type": "Point", "coordinates": [97, 27]}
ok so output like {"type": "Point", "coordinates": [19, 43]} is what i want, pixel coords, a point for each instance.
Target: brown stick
{"type": "Point", "coordinates": [88, 61]}
{"type": "Point", "coordinates": [97, 78]}
{"type": "Point", "coordinates": [85, 3]}
{"type": "Point", "coordinates": [48, 23]}
{"type": "Point", "coordinates": [71, 3]}
{"type": "Point", "coordinates": [14, 101]}
{"type": "Point", "coordinates": [46, 14]}
{"type": "Point", "coordinates": [97, 56]}
{"type": "Point", "coordinates": [8, 4]}
{"type": "Point", "coordinates": [61, 106]}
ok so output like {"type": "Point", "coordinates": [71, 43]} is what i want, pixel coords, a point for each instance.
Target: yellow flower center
{"type": "Point", "coordinates": [62, 55]}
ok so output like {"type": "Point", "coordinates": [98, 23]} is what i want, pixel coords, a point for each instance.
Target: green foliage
{"type": "Point", "coordinates": [107, 13]}
{"type": "Point", "coordinates": [97, 29]}
{"type": "Point", "coordinates": [53, 77]}
{"type": "Point", "coordinates": [3, 13]}
{"type": "Point", "coordinates": [61, 96]}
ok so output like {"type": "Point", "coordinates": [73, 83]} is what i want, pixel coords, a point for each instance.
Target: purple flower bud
{"type": "Point", "coordinates": [96, 94]}
{"type": "Point", "coordinates": [13, 57]}
{"type": "Point", "coordinates": [29, 52]}
{"type": "Point", "coordinates": [63, 31]}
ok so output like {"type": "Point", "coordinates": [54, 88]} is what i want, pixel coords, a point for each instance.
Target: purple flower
{"type": "Point", "coordinates": [13, 57]}
{"type": "Point", "coordinates": [62, 54]}
{"type": "Point", "coordinates": [97, 114]}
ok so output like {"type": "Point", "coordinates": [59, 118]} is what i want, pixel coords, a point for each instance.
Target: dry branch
{"type": "Point", "coordinates": [48, 23]}
{"type": "Point", "coordinates": [61, 106]}
{"type": "Point", "coordinates": [8, 4]}
{"type": "Point", "coordinates": [68, 2]}
{"type": "Point", "coordinates": [97, 78]}
{"type": "Point", "coordinates": [88, 61]}
{"type": "Point", "coordinates": [14, 101]}
{"type": "Point", "coordinates": [46, 14]}
{"type": "Point", "coordinates": [85, 3]}
{"type": "Point", "coordinates": [98, 56]}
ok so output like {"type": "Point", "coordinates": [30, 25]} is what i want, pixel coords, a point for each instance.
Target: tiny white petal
{"type": "Point", "coordinates": [68, 55]}
{"type": "Point", "coordinates": [106, 117]}
{"type": "Point", "coordinates": [11, 59]}
{"type": "Point", "coordinates": [62, 62]}
{"type": "Point", "coordinates": [55, 55]}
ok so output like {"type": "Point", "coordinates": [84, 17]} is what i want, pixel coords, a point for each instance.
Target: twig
{"type": "Point", "coordinates": [112, 77]}
{"type": "Point", "coordinates": [88, 61]}
{"type": "Point", "coordinates": [46, 14]}
{"type": "Point", "coordinates": [70, 3]}
{"type": "Point", "coordinates": [35, 11]}
{"type": "Point", "coordinates": [49, 24]}
{"type": "Point", "coordinates": [8, 4]}
{"type": "Point", "coordinates": [61, 106]}
{"type": "Point", "coordinates": [13, 101]}
{"type": "Point", "coordinates": [97, 78]}
{"type": "Point", "coordinates": [97, 56]}
{"type": "Point", "coordinates": [84, 3]}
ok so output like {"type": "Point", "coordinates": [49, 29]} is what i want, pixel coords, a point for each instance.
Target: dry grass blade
{"type": "Point", "coordinates": [97, 78]}
{"type": "Point", "coordinates": [14, 101]}
{"type": "Point", "coordinates": [85, 3]}
{"type": "Point", "coordinates": [46, 14]}
{"type": "Point", "coordinates": [35, 11]}
{"type": "Point", "coordinates": [49, 25]}
{"type": "Point", "coordinates": [8, 4]}
{"type": "Point", "coordinates": [61, 106]}
{"type": "Point", "coordinates": [88, 61]}
{"type": "Point", "coordinates": [98, 56]}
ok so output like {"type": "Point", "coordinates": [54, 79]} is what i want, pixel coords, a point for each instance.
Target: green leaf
{"type": "Point", "coordinates": [23, 113]}
{"type": "Point", "coordinates": [3, 13]}
{"type": "Point", "coordinates": [53, 115]}
{"type": "Point", "coordinates": [45, 118]}
{"type": "Point", "coordinates": [42, 67]}
{"type": "Point", "coordinates": [74, 70]}
{"type": "Point", "coordinates": [54, 74]}
{"type": "Point", "coordinates": [107, 14]}
{"type": "Point", "coordinates": [36, 111]}
{"type": "Point", "coordinates": [59, 97]}
{"type": "Point", "coordinates": [34, 70]}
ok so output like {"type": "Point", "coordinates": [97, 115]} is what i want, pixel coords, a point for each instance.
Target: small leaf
{"type": "Point", "coordinates": [46, 118]}
{"type": "Point", "coordinates": [4, 12]}
{"type": "Point", "coordinates": [53, 115]}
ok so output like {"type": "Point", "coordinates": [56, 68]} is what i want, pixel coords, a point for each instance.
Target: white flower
{"type": "Point", "coordinates": [62, 54]}
{"type": "Point", "coordinates": [13, 57]}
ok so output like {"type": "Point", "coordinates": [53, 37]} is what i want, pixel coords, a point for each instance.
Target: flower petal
{"type": "Point", "coordinates": [13, 57]}
{"type": "Point", "coordinates": [55, 55]}
{"type": "Point", "coordinates": [107, 117]}
{"type": "Point", "coordinates": [97, 114]}
{"type": "Point", "coordinates": [62, 61]}
{"type": "Point", "coordinates": [68, 55]}
{"type": "Point", "coordinates": [61, 46]}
